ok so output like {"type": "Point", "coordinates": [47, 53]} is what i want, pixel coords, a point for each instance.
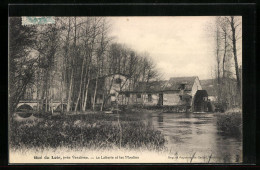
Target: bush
{"type": "Point", "coordinates": [230, 123]}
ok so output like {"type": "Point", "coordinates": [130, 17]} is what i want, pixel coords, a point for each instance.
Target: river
{"type": "Point", "coordinates": [196, 134]}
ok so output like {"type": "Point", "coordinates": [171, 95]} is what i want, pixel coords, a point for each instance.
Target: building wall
{"type": "Point", "coordinates": [172, 99]}
{"type": "Point", "coordinates": [135, 98]}
{"type": "Point", "coordinates": [196, 86]}
{"type": "Point", "coordinates": [150, 101]}
{"type": "Point", "coordinates": [153, 100]}
{"type": "Point", "coordinates": [169, 99]}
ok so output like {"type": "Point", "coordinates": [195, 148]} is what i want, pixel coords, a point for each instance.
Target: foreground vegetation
{"type": "Point", "coordinates": [94, 131]}
{"type": "Point", "coordinates": [230, 123]}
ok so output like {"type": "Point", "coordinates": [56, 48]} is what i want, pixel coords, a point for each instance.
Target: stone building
{"type": "Point", "coordinates": [185, 92]}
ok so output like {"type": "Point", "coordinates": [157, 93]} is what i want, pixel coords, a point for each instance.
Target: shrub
{"type": "Point", "coordinates": [230, 123]}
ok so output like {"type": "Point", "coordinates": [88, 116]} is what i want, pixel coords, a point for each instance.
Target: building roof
{"type": "Point", "coordinates": [168, 85]}
{"type": "Point", "coordinates": [153, 86]}
{"type": "Point", "coordinates": [175, 82]}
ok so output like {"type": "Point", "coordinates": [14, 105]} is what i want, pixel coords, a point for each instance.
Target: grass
{"type": "Point", "coordinates": [230, 123]}
{"type": "Point", "coordinates": [95, 131]}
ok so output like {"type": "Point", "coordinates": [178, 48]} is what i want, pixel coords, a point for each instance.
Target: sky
{"type": "Point", "coordinates": [179, 46]}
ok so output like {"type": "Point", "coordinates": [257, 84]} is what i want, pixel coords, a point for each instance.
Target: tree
{"type": "Point", "coordinates": [226, 36]}
{"type": "Point", "coordinates": [218, 46]}
{"type": "Point", "coordinates": [48, 43]}
{"type": "Point", "coordinates": [71, 56]}
{"type": "Point", "coordinates": [234, 24]}
{"type": "Point", "coordinates": [21, 59]}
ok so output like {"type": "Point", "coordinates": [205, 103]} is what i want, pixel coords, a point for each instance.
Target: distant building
{"type": "Point", "coordinates": [177, 91]}
{"type": "Point", "coordinates": [108, 90]}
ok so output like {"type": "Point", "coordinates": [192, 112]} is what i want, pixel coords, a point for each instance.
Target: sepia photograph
{"type": "Point", "coordinates": [137, 89]}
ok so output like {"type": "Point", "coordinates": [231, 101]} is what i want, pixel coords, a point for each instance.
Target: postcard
{"type": "Point", "coordinates": [150, 89]}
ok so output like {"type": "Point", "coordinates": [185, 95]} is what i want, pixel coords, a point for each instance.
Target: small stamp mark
{"type": "Point", "coordinates": [37, 20]}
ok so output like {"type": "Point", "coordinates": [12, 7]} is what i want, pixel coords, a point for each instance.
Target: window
{"type": "Point", "coordinates": [149, 97]}
{"type": "Point", "coordinates": [113, 94]}
{"type": "Point", "coordinates": [138, 95]}
{"type": "Point", "coordinates": [180, 97]}
{"type": "Point", "coordinates": [118, 81]}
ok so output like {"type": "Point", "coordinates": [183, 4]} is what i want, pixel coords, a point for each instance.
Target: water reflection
{"type": "Point", "coordinates": [160, 120]}
{"type": "Point", "coordinates": [189, 133]}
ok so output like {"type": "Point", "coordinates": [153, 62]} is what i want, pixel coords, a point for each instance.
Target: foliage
{"type": "Point", "coordinates": [230, 123]}
{"type": "Point", "coordinates": [90, 130]}
{"type": "Point", "coordinates": [21, 63]}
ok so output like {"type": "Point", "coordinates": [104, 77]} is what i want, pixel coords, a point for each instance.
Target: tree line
{"type": "Point", "coordinates": [70, 55]}
{"type": "Point", "coordinates": [228, 72]}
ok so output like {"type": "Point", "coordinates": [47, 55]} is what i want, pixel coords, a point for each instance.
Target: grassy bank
{"type": "Point", "coordinates": [96, 131]}
{"type": "Point", "coordinates": [230, 123]}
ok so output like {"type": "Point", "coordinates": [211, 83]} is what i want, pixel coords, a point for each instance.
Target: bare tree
{"type": "Point", "coordinates": [78, 52]}
{"type": "Point", "coordinates": [218, 47]}
{"type": "Point", "coordinates": [225, 31]}
{"type": "Point", "coordinates": [235, 23]}
{"type": "Point", "coordinates": [91, 48]}
{"type": "Point", "coordinates": [70, 92]}
{"type": "Point", "coordinates": [226, 37]}
{"type": "Point", "coordinates": [47, 45]}
{"type": "Point", "coordinates": [100, 55]}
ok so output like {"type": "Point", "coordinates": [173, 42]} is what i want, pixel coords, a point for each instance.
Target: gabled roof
{"type": "Point", "coordinates": [153, 86]}
{"type": "Point", "coordinates": [175, 82]}
{"type": "Point", "coordinates": [168, 85]}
